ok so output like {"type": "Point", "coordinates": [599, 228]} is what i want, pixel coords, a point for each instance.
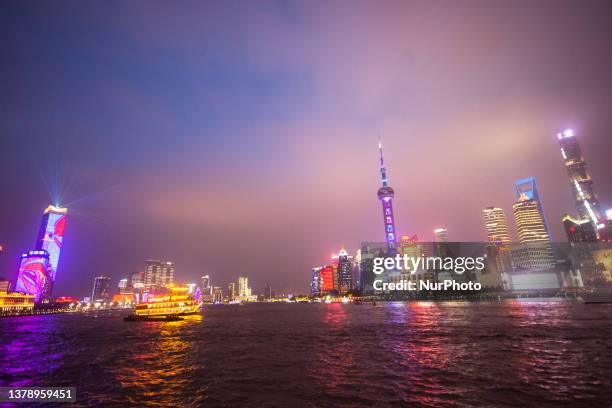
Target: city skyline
{"type": "Point", "coordinates": [246, 164]}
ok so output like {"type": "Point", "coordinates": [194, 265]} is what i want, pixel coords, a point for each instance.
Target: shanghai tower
{"type": "Point", "coordinates": [385, 195]}
{"type": "Point", "coordinates": [581, 183]}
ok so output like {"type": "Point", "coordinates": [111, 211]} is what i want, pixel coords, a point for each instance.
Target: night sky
{"type": "Point", "coordinates": [240, 138]}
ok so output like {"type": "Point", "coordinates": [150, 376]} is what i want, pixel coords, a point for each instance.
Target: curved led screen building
{"type": "Point", "coordinates": [38, 268]}
{"type": "Point", "coordinates": [51, 235]}
{"type": "Point", "coordinates": [34, 275]}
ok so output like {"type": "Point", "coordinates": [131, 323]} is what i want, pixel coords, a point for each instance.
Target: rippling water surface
{"type": "Point", "coordinates": [417, 354]}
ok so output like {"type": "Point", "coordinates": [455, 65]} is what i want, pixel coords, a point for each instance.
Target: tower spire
{"type": "Point", "coordinates": [385, 195]}
{"type": "Point", "coordinates": [383, 170]}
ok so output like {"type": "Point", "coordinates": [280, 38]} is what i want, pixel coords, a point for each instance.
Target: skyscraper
{"type": "Point", "coordinates": [158, 274]}
{"type": "Point", "coordinates": [124, 287]}
{"type": "Point", "coordinates": [498, 260]}
{"type": "Point", "coordinates": [49, 240]}
{"type": "Point", "coordinates": [367, 252]}
{"type": "Point", "coordinates": [327, 278]}
{"type": "Point", "coordinates": [579, 230]}
{"type": "Point", "coordinates": [316, 282]}
{"type": "Point", "coordinates": [345, 266]}
{"type": "Point", "coordinates": [217, 295]}
{"type": "Point", "coordinates": [536, 250]}
{"type": "Point", "coordinates": [496, 225]}
{"type": "Point", "coordinates": [101, 289]}
{"type": "Point", "coordinates": [529, 221]}
{"type": "Point", "coordinates": [581, 183]}
{"type": "Point", "coordinates": [205, 285]}
{"type": "Point", "coordinates": [231, 292]}
{"type": "Point", "coordinates": [244, 290]}
{"type": "Point", "coordinates": [51, 235]}
{"type": "Point", "coordinates": [34, 276]}
{"type": "Point", "coordinates": [605, 233]}
{"type": "Point", "coordinates": [441, 235]}
{"type": "Point", "coordinates": [441, 247]}
{"type": "Point", "coordinates": [385, 195]}
{"type": "Point", "coordinates": [138, 281]}
{"type": "Point", "coordinates": [528, 187]}
{"type": "Point", "coordinates": [268, 292]}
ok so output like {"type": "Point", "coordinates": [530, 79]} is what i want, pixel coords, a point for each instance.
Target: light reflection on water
{"type": "Point", "coordinates": [422, 353]}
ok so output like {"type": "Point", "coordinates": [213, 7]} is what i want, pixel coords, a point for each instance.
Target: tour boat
{"type": "Point", "coordinates": [171, 306]}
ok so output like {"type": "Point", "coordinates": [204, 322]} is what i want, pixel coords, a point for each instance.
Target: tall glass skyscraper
{"type": "Point", "coordinates": [158, 274]}
{"type": "Point", "coordinates": [101, 289]}
{"type": "Point", "coordinates": [345, 266]}
{"type": "Point", "coordinates": [535, 251]}
{"type": "Point", "coordinates": [529, 221]}
{"type": "Point", "coordinates": [581, 183]}
{"type": "Point", "coordinates": [528, 187]}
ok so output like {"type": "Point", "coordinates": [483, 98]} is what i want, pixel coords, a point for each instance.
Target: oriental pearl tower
{"type": "Point", "coordinates": [385, 195]}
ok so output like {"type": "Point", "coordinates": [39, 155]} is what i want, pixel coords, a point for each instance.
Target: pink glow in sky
{"type": "Point", "coordinates": [241, 137]}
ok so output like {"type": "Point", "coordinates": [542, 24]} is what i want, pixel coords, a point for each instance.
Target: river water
{"type": "Point", "coordinates": [390, 354]}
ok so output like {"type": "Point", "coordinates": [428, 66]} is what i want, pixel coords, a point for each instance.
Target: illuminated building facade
{"type": "Point", "coordinates": [411, 247]}
{"type": "Point", "coordinates": [344, 271]}
{"type": "Point", "coordinates": [605, 233]}
{"type": "Point", "coordinates": [206, 289]}
{"type": "Point", "coordinates": [217, 295]}
{"type": "Point", "coordinates": [205, 286]}
{"type": "Point", "coordinates": [34, 276]}
{"type": "Point", "coordinates": [581, 183]}
{"type": "Point", "coordinates": [496, 225]}
{"type": "Point", "coordinates": [441, 247]}
{"type": "Point", "coordinates": [367, 252]}
{"type": "Point", "coordinates": [385, 195]}
{"type": "Point", "coordinates": [138, 280]}
{"type": "Point", "coordinates": [14, 303]}
{"type": "Point", "coordinates": [316, 283]}
{"type": "Point", "coordinates": [244, 291]}
{"type": "Point", "coordinates": [535, 251]}
{"type": "Point", "coordinates": [441, 235]}
{"type": "Point", "coordinates": [101, 289]}
{"type": "Point", "coordinates": [529, 221]}
{"type": "Point", "coordinates": [582, 237]}
{"type": "Point", "coordinates": [579, 230]}
{"type": "Point", "coordinates": [5, 285]}
{"type": "Point", "coordinates": [38, 268]}
{"type": "Point", "coordinates": [158, 274]}
{"type": "Point", "coordinates": [498, 260]}
{"type": "Point", "coordinates": [51, 236]}
{"type": "Point", "coordinates": [231, 292]}
{"type": "Point", "coordinates": [124, 287]}
{"type": "Point", "coordinates": [528, 188]}
{"type": "Point", "coordinates": [327, 278]}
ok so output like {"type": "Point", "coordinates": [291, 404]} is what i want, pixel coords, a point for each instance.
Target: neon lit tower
{"type": "Point", "coordinates": [34, 275]}
{"type": "Point", "coordinates": [51, 235]}
{"type": "Point", "coordinates": [580, 179]}
{"type": "Point", "coordinates": [385, 195]}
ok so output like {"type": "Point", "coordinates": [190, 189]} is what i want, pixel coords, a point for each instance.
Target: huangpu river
{"type": "Point", "coordinates": [390, 354]}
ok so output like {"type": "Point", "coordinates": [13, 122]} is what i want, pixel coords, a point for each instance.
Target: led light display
{"type": "Point", "coordinates": [51, 235]}
{"type": "Point", "coordinates": [33, 276]}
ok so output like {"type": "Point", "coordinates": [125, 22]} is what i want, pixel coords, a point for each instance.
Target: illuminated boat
{"type": "Point", "coordinates": [167, 307]}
